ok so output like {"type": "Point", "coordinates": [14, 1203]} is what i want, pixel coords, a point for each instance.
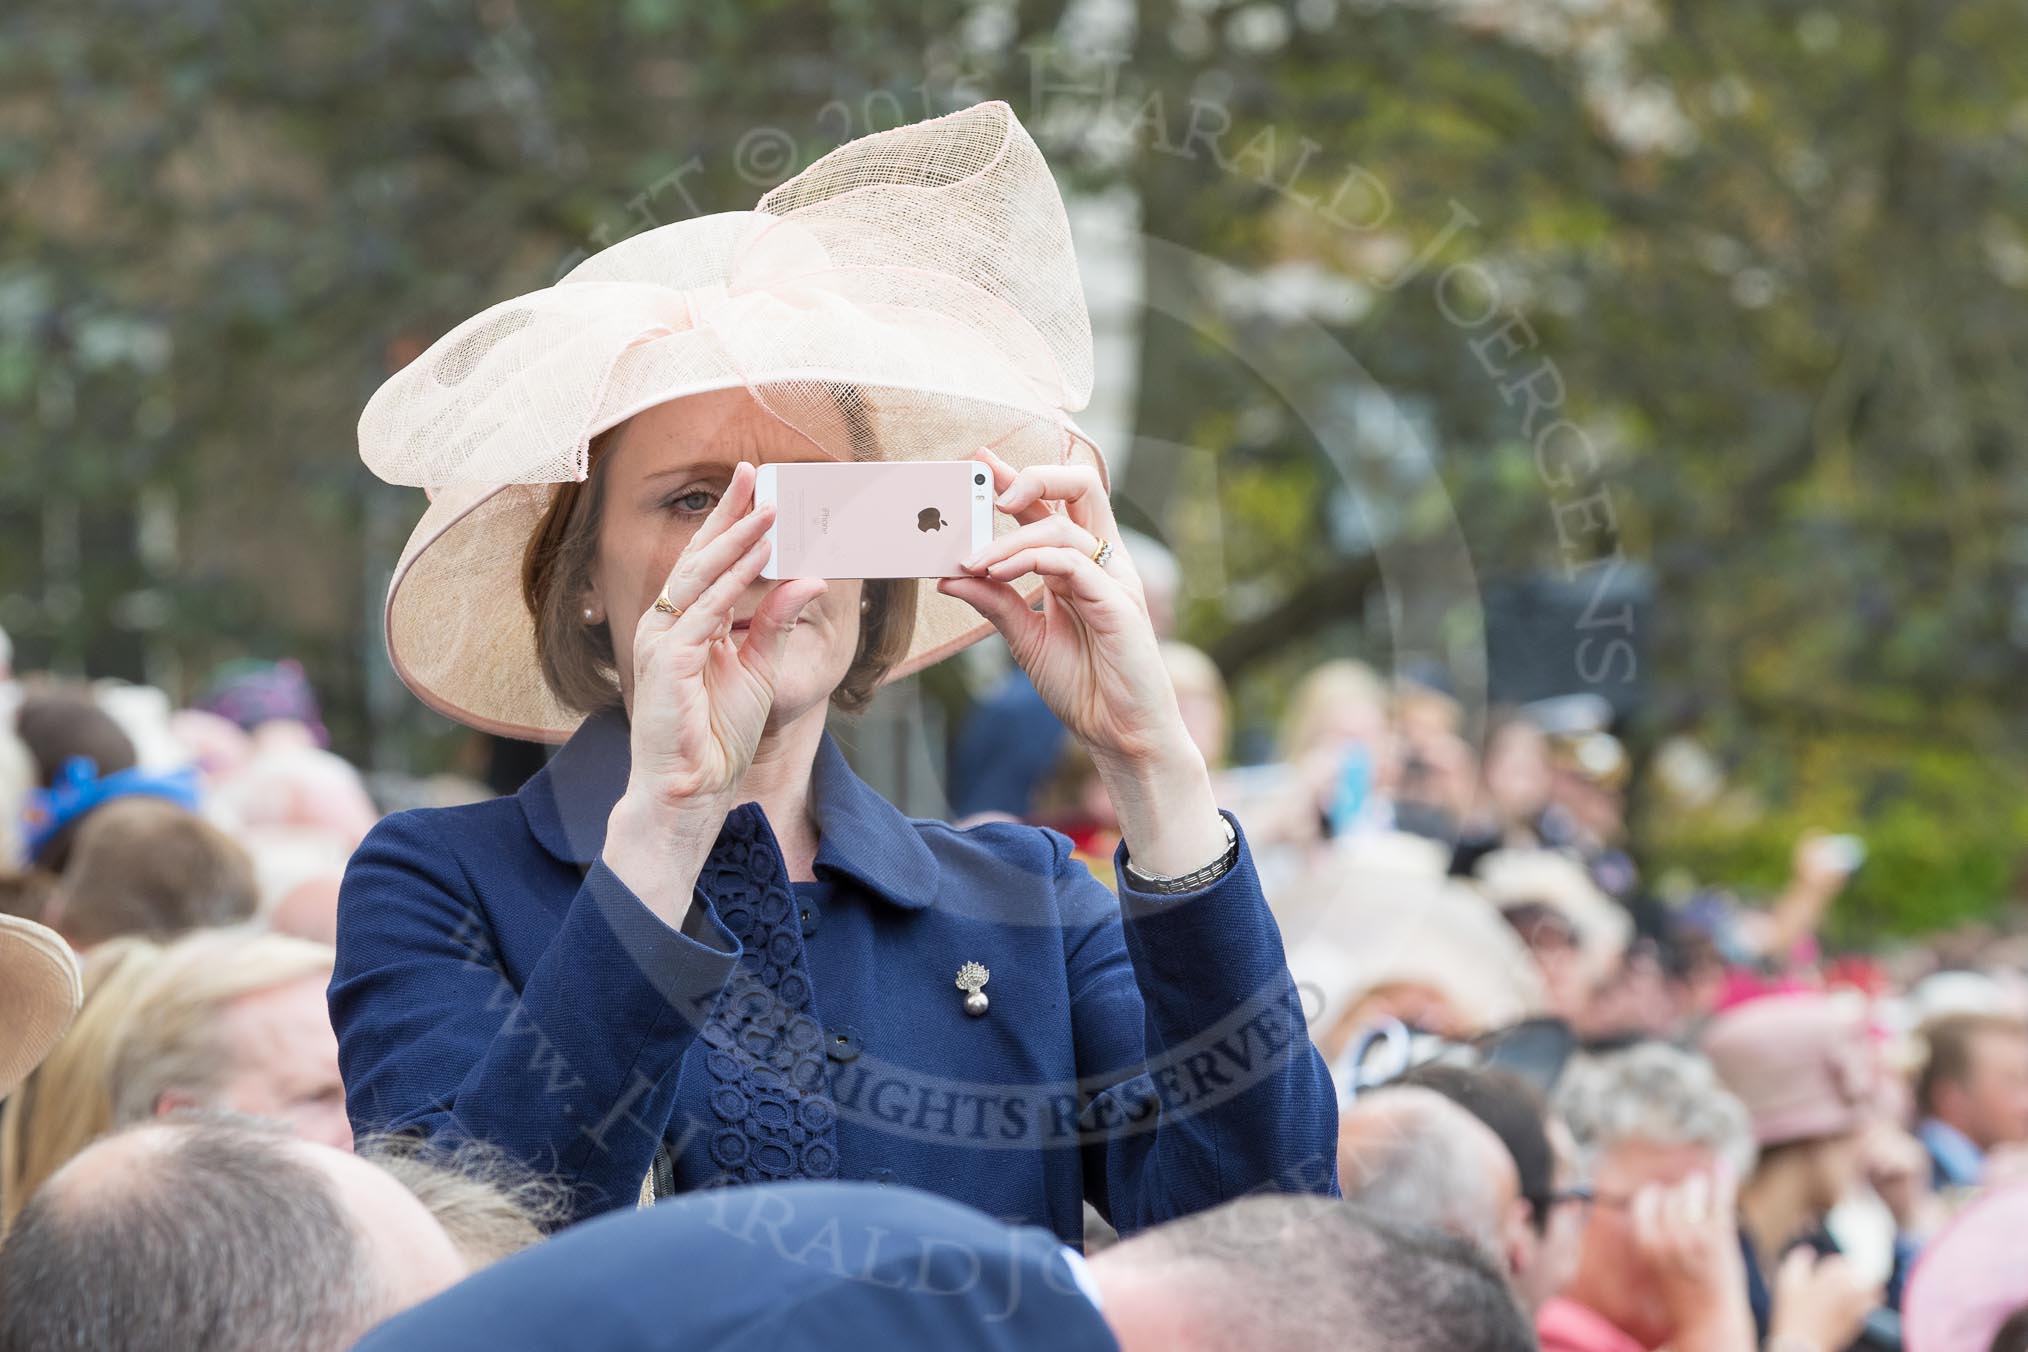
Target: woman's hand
{"type": "Point", "coordinates": [1092, 653]}
{"type": "Point", "coordinates": [1820, 1304]}
{"type": "Point", "coordinates": [1898, 1167]}
{"type": "Point", "coordinates": [700, 698]}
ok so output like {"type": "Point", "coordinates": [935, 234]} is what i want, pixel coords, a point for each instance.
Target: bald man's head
{"type": "Point", "coordinates": [219, 1236]}
{"type": "Point", "coordinates": [1296, 1273]}
{"type": "Point", "coordinates": [1413, 1155]}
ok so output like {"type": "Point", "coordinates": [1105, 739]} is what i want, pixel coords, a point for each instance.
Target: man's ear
{"type": "Point", "coordinates": [175, 1101]}
{"type": "Point", "coordinates": [1518, 1240]}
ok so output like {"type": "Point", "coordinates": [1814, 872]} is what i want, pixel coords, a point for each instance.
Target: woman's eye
{"type": "Point", "coordinates": [697, 500]}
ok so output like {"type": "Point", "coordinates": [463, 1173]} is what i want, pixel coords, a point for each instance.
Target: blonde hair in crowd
{"type": "Point", "coordinates": [489, 1203]}
{"type": "Point", "coordinates": [1320, 693]}
{"type": "Point", "coordinates": [1196, 676]}
{"type": "Point", "coordinates": [145, 1029]}
{"type": "Point", "coordinates": [67, 1102]}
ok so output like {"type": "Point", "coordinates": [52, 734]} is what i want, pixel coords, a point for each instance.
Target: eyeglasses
{"type": "Point", "coordinates": [1582, 1194]}
{"type": "Point", "coordinates": [1544, 1206]}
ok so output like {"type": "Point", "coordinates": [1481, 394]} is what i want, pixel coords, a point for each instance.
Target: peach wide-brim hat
{"type": "Point", "coordinates": [40, 991]}
{"type": "Point", "coordinates": [913, 295]}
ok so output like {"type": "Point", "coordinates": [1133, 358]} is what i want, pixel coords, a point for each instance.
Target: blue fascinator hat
{"type": "Point", "coordinates": [79, 788]}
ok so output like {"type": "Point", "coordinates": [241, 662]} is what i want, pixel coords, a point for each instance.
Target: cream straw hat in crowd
{"type": "Point", "coordinates": [40, 991]}
{"type": "Point", "coordinates": [910, 296]}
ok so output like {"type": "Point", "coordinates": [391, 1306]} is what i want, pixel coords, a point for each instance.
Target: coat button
{"type": "Point", "coordinates": [809, 916]}
{"type": "Point", "coordinates": [842, 1044]}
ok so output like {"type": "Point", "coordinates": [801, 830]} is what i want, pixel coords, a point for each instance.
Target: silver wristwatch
{"type": "Point", "coordinates": [1196, 878]}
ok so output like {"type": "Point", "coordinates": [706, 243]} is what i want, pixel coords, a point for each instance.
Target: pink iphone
{"type": "Point", "coordinates": [918, 519]}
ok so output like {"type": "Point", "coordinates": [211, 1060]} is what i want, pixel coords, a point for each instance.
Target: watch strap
{"type": "Point", "coordinates": [1196, 878]}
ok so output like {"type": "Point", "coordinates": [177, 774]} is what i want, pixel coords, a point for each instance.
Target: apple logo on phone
{"type": "Point", "coordinates": [927, 519]}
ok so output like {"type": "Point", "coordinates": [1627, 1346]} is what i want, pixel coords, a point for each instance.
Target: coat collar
{"type": "Point", "coordinates": [862, 835]}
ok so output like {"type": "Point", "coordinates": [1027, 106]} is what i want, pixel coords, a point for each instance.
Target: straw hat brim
{"type": "Point", "coordinates": [1377, 931]}
{"type": "Point", "coordinates": [1511, 878]}
{"type": "Point", "coordinates": [40, 992]}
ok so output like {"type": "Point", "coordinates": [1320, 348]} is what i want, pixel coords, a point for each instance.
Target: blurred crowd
{"type": "Point", "coordinates": [1637, 1124]}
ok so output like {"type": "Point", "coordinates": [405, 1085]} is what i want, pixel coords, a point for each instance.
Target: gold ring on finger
{"type": "Point", "coordinates": [665, 605]}
{"type": "Point", "coordinates": [1104, 552]}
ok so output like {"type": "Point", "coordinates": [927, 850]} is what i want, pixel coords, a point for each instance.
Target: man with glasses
{"type": "Point", "coordinates": [1659, 1263]}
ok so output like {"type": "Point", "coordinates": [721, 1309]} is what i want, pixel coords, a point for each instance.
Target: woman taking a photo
{"type": "Point", "coordinates": [696, 949]}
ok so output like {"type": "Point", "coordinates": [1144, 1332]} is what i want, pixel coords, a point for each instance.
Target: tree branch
{"type": "Point", "coordinates": [1338, 592]}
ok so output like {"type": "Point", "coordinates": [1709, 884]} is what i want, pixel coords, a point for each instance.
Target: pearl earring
{"type": "Point", "coordinates": [590, 615]}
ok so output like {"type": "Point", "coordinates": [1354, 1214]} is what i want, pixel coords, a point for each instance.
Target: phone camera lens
{"type": "Point", "coordinates": [979, 478]}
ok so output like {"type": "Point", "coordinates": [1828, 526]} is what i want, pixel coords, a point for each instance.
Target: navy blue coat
{"type": "Point", "coordinates": [795, 1265]}
{"type": "Point", "coordinates": [495, 980]}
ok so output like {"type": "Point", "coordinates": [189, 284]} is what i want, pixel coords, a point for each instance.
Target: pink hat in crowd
{"type": "Point", "coordinates": [1799, 1062]}
{"type": "Point", "coordinates": [1970, 1279]}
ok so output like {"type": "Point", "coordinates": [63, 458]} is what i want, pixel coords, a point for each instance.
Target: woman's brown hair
{"type": "Point", "coordinates": [577, 658]}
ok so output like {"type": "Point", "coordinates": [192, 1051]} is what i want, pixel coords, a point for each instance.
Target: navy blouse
{"type": "Point", "coordinates": [495, 980]}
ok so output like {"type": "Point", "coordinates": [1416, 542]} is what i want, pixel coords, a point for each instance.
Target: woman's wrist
{"type": "Point", "coordinates": [658, 849]}
{"type": "Point", "coordinates": [1169, 817]}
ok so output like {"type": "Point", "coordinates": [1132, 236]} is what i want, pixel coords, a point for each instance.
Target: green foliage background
{"type": "Point", "coordinates": [1792, 322]}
